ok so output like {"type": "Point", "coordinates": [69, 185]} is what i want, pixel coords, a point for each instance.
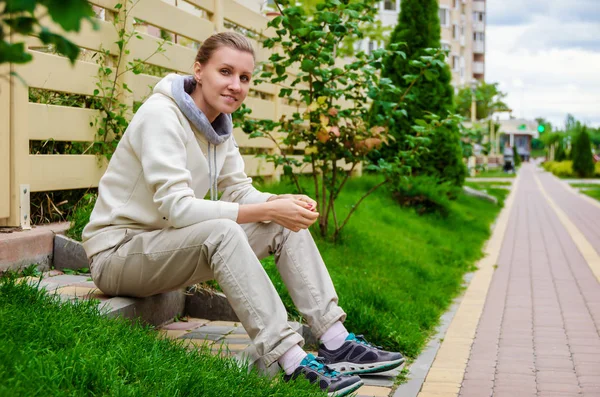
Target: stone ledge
{"type": "Point", "coordinates": [22, 248]}
{"type": "Point", "coordinates": [68, 254]}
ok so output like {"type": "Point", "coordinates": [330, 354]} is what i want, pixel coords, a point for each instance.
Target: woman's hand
{"type": "Point", "coordinates": [292, 212]}
{"type": "Point", "coordinates": [302, 197]}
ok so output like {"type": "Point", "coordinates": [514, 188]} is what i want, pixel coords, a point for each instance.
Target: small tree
{"type": "Point", "coordinates": [333, 102]}
{"type": "Point", "coordinates": [419, 27]}
{"type": "Point", "coordinates": [488, 98]}
{"type": "Point", "coordinates": [17, 16]}
{"type": "Point", "coordinates": [516, 156]}
{"type": "Point", "coordinates": [560, 154]}
{"type": "Point", "coordinates": [581, 153]}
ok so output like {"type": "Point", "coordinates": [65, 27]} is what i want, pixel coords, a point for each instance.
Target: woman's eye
{"type": "Point", "coordinates": [245, 79]}
{"type": "Point", "coordinates": [225, 71]}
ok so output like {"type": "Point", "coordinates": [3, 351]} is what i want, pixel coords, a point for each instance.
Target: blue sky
{"type": "Point", "coordinates": [546, 55]}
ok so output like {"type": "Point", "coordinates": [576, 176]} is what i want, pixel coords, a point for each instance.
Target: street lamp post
{"type": "Point", "coordinates": [474, 84]}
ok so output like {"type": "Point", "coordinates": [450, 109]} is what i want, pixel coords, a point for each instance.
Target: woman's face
{"type": "Point", "coordinates": [224, 81]}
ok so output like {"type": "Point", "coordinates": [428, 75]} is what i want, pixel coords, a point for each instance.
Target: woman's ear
{"type": "Point", "coordinates": [198, 72]}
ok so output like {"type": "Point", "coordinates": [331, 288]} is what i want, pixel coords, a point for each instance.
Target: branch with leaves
{"type": "Point", "coordinates": [335, 125]}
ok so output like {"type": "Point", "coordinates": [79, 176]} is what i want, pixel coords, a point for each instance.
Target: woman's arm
{"type": "Point", "coordinates": [291, 213]}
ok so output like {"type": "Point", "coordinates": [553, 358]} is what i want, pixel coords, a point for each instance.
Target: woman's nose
{"type": "Point", "coordinates": [234, 85]}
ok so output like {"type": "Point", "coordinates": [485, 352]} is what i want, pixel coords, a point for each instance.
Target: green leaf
{"type": "Point", "coordinates": [19, 6]}
{"type": "Point", "coordinates": [69, 13]}
{"type": "Point", "coordinates": [14, 53]}
{"type": "Point", "coordinates": [22, 25]}
{"type": "Point", "coordinates": [430, 75]}
{"type": "Point", "coordinates": [63, 46]}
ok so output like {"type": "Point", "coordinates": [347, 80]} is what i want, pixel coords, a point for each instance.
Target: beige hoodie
{"type": "Point", "coordinates": [159, 175]}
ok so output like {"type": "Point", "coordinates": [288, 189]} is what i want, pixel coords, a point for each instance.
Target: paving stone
{"type": "Point", "coordinates": [219, 330]}
{"type": "Point", "coordinates": [200, 336]}
{"type": "Point", "coordinates": [373, 391]}
{"type": "Point", "coordinates": [183, 325]}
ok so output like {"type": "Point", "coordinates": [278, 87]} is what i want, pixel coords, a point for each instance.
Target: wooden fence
{"type": "Point", "coordinates": [21, 121]}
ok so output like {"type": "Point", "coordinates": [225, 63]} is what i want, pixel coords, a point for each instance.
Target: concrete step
{"type": "Point", "coordinates": [155, 310]}
{"type": "Point", "coordinates": [22, 248]}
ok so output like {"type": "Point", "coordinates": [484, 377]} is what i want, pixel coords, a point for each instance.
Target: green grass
{"type": "Point", "coordinates": [593, 193]}
{"type": "Point", "coordinates": [68, 349]}
{"type": "Point", "coordinates": [491, 189]}
{"type": "Point", "coordinates": [496, 173]}
{"type": "Point", "coordinates": [586, 185]}
{"type": "Point", "coordinates": [397, 272]}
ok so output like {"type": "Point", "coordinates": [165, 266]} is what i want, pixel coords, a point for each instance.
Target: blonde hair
{"type": "Point", "coordinates": [228, 39]}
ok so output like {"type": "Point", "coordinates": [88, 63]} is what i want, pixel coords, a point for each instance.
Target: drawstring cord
{"type": "Point", "coordinates": [212, 171]}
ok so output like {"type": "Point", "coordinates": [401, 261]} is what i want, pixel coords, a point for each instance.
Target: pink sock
{"type": "Point", "coordinates": [335, 336]}
{"type": "Point", "coordinates": [291, 359]}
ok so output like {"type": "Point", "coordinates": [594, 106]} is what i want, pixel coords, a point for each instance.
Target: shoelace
{"type": "Point", "coordinates": [318, 364]}
{"type": "Point", "coordinates": [361, 339]}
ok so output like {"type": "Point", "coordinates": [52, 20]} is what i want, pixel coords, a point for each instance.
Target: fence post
{"type": "Point", "coordinates": [218, 16]}
{"type": "Point", "coordinates": [4, 144]}
{"type": "Point", "coordinates": [20, 214]}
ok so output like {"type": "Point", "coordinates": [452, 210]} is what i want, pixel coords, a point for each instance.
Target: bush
{"type": "Point", "coordinates": [560, 168]}
{"type": "Point", "coordinates": [583, 161]}
{"type": "Point", "coordinates": [597, 169]}
{"type": "Point", "coordinates": [516, 157]}
{"type": "Point", "coordinates": [81, 215]}
{"type": "Point", "coordinates": [425, 194]}
{"type": "Point", "coordinates": [560, 154]}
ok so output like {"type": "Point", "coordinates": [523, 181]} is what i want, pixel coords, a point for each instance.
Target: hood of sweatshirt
{"type": "Point", "coordinates": [179, 89]}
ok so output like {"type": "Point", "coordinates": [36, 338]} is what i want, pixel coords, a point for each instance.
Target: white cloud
{"type": "Point", "coordinates": [546, 55]}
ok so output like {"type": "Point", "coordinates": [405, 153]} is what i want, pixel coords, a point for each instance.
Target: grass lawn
{"type": "Point", "coordinates": [495, 173]}
{"type": "Point", "coordinates": [495, 189]}
{"type": "Point", "coordinates": [590, 189]}
{"type": "Point", "coordinates": [397, 272]}
{"type": "Point", "coordinates": [56, 349]}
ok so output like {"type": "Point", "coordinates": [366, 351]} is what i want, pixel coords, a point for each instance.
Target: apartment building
{"type": "Point", "coordinates": [463, 35]}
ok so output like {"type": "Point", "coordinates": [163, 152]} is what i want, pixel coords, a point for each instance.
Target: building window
{"type": "Point", "coordinates": [389, 5]}
{"type": "Point", "coordinates": [456, 4]}
{"type": "Point", "coordinates": [371, 46]}
{"type": "Point", "coordinates": [446, 47]}
{"type": "Point", "coordinates": [479, 36]}
{"type": "Point", "coordinates": [455, 62]}
{"type": "Point", "coordinates": [444, 14]}
{"type": "Point", "coordinates": [455, 33]}
{"type": "Point", "coordinates": [481, 17]}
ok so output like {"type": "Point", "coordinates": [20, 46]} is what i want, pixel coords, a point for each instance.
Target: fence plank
{"type": "Point", "coordinates": [261, 109]}
{"type": "Point", "coordinates": [142, 86]}
{"type": "Point", "coordinates": [76, 172]}
{"type": "Point", "coordinates": [175, 57]}
{"type": "Point", "coordinates": [48, 122]}
{"type": "Point", "coordinates": [246, 18]}
{"type": "Point", "coordinates": [52, 72]}
{"type": "Point", "coordinates": [258, 166]}
{"type": "Point", "coordinates": [207, 5]}
{"type": "Point", "coordinates": [87, 37]}
{"type": "Point", "coordinates": [244, 141]}
{"type": "Point", "coordinates": [173, 19]}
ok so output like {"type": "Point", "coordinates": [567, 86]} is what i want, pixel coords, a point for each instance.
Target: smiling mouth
{"type": "Point", "coordinates": [230, 97]}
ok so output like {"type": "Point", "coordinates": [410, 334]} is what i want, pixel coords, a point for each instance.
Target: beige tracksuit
{"type": "Point", "coordinates": [151, 231]}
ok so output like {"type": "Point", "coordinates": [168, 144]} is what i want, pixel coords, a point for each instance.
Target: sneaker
{"type": "Point", "coordinates": [357, 356]}
{"type": "Point", "coordinates": [335, 384]}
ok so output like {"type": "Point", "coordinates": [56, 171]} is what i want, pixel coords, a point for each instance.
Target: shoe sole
{"type": "Point", "coordinates": [358, 369]}
{"type": "Point", "coordinates": [346, 390]}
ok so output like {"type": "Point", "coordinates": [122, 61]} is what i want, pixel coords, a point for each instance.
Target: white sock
{"type": "Point", "coordinates": [291, 359]}
{"type": "Point", "coordinates": [335, 336]}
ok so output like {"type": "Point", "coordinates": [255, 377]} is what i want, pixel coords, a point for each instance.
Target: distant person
{"type": "Point", "coordinates": [508, 158]}
{"type": "Point", "coordinates": [153, 231]}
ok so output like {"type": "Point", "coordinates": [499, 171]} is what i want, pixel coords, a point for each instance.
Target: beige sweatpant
{"type": "Point", "coordinates": [148, 263]}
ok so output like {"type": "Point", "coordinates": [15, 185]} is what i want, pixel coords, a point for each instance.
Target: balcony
{"type": "Point", "coordinates": [479, 47]}
{"type": "Point", "coordinates": [479, 6]}
{"type": "Point", "coordinates": [478, 26]}
{"type": "Point", "coordinates": [478, 68]}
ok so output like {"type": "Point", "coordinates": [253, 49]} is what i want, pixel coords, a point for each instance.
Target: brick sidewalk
{"type": "Point", "coordinates": [539, 331]}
